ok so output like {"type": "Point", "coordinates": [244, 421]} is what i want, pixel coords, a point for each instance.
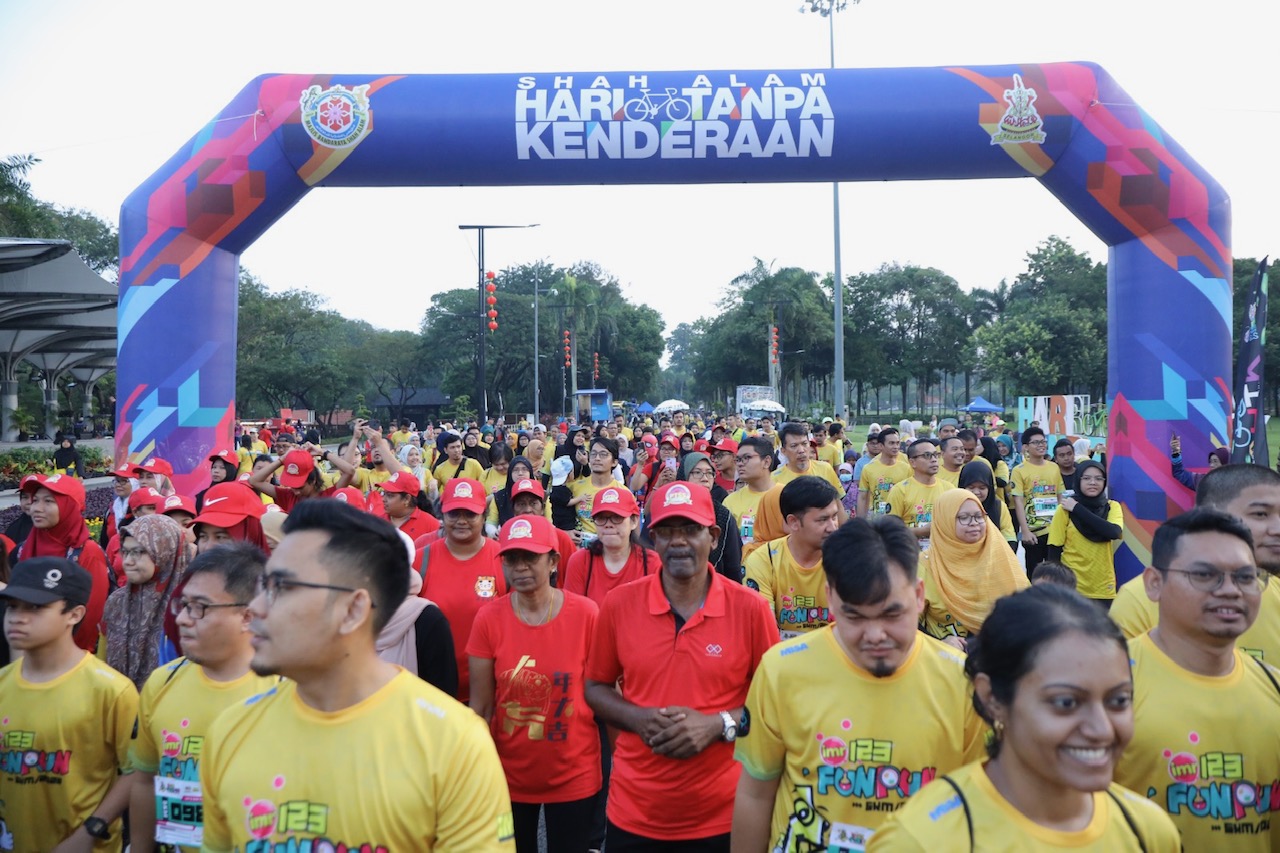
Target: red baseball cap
{"type": "Point", "coordinates": [127, 471]}
{"type": "Point", "coordinates": [146, 496]}
{"type": "Point", "coordinates": [616, 500]}
{"type": "Point", "coordinates": [178, 503]}
{"type": "Point", "coordinates": [527, 487]}
{"type": "Point", "coordinates": [59, 484]}
{"type": "Point", "coordinates": [403, 482]}
{"type": "Point", "coordinates": [463, 493]}
{"type": "Point", "coordinates": [670, 438]}
{"type": "Point", "coordinates": [156, 466]}
{"type": "Point", "coordinates": [228, 456]}
{"type": "Point", "coordinates": [680, 500]}
{"type": "Point", "coordinates": [527, 533]}
{"type": "Point", "coordinates": [228, 504]}
{"type": "Point", "coordinates": [296, 466]}
{"type": "Point", "coordinates": [701, 446]}
{"type": "Point", "coordinates": [352, 495]}
{"type": "Point", "coordinates": [727, 445]}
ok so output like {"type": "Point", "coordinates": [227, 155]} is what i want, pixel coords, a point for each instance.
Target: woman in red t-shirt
{"type": "Point", "coordinates": [616, 556]}
{"type": "Point", "coordinates": [528, 659]}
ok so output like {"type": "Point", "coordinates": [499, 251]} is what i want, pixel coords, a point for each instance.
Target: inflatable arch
{"type": "Point", "coordinates": [1069, 125]}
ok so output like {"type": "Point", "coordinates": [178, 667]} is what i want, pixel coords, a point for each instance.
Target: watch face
{"type": "Point", "coordinates": [97, 827]}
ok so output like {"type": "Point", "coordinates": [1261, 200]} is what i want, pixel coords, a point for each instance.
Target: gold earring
{"type": "Point", "coordinates": [998, 725]}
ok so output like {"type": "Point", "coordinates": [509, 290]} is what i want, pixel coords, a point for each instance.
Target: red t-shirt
{"type": "Point", "coordinates": [419, 524]}
{"type": "Point", "coordinates": [460, 588]}
{"type": "Point", "coordinates": [726, 483]}
{"type": "Point", "coordinates": [708, 667]}
{"type": "Point", "coordinates": [545, 733]}
{"type": "Point", "coordinates": [586, 574]}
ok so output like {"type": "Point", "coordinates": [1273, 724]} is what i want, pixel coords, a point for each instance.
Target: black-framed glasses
{"type": "Point", "coordinates": [927, 456]}
{"type": "Point", "coordinates": [197, 609]}
{"type": "Point", "coordinates": [272, 583]}
{"type": "Point", "coordinates": [1210, 580]}
{"type": "Point", "coordinates": [136, 553]}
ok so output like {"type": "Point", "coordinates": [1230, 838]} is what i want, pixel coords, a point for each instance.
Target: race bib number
{"type": "Point", "coordinates": [882, 508]}
{"type": "Point", "coordinates": [1045, 506]}
{"type": "Point", "coordinates": [748, 528]}
{"type": "Point", "coordinates": [179, 812]}
{"type": "Point", "coordinates": [848, 838]}
{"type": "Point", "coordinates": [924, 545]}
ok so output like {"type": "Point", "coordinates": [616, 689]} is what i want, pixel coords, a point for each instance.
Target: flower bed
{"type": "Point", "coordinates": [97, 505]}
{"type": "Point", "coordinates": [18, 463]}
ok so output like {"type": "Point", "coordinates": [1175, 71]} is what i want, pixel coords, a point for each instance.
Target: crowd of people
{"type": "Point", "coordinates": [682, 634]}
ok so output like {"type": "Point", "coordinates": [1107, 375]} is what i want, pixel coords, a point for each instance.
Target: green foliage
{"type": "Point", "coordinates": [24, 215]}
{"type": "Point", "coordinates": [21, 461]}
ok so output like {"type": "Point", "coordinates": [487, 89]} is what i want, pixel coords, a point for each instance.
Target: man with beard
{"type": "Point", "coordinates": [182, 698]}
{"type": "Point", "coordinates": [684, 641]}
{"type": "Point", "coordinates": [868, 695]}
{"type": "Point", "coordinates": [330, 587]}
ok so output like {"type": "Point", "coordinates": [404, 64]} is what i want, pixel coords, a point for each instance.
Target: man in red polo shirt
{"type": "Point", "coordinates": [685, 643]}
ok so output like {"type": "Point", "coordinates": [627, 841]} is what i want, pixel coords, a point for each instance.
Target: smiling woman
{"type": "Point", "coordinates": [1050, 674]}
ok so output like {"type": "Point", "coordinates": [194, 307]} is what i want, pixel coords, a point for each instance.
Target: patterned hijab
{"type": "Point", "coordinates": [133, 619]}
{"type": "Point", "coordinates": [970, 577]}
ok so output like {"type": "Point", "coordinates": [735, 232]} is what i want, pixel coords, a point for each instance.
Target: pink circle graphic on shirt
{"type": "Point", "coordinates": [172, 744]}
{"type": "Point", "coordinates": [185, 723]}
{"type": "Point", "coordinates": [1193, 738]}
{"type": "Point", "coordinates": [833, 751]}
{"type": "Point", "coordinates": [846, 724]}
{"type": "Point", "coordinates": [277, 782]}
{"type": "Point", "coordinates": [261, 819]}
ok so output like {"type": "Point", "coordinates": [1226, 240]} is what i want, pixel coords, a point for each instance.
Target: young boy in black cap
{"type": "Point", "coordinates": [65, 719]}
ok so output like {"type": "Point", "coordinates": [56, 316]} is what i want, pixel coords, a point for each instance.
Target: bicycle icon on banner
{"type": "Point", "coordinates": [648, 106]}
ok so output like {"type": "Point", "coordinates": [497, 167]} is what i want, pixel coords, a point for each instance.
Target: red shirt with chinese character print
{"type": "Point", "coordinates": [545, 733]}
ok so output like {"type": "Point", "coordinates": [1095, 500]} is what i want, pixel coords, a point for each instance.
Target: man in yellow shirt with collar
{"type": "Point", "coordinates": [912, 499]}
{"type": "Point", "coordinates": [795, 446]}
{"type": "Point", "coordinates": [882, 474]}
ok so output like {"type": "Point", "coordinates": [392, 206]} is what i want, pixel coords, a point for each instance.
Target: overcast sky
{"type": "Point", "coordinates": [104, 93]}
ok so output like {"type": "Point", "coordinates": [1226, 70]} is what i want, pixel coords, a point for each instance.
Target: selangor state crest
{"type": "Point", "coordinates": [336, 117]}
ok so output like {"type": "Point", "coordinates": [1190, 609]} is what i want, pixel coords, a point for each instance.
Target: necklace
{"type": "Point", "coordinates": [545, 617]}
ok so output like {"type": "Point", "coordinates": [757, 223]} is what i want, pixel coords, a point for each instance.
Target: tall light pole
{"type": "Point", "coordinates": [828, 8]}
{"type": "Point", "coordinates": [482, 394]}
{"type": "Point", "coordinates": [537, 364]}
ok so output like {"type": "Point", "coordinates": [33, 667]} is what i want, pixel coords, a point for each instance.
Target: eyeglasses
{"type": "Point", "coordinates": [969, 520]}
{"type": "Point", "coordinates": [747, 457]}
{"type": "Point", "coordinates": [702, 474]}
{"type": "Point", "coordinates": [600, 454]}
{"type": "Point", "coordinates": [668, 532]}
{"type": "Point", "coordinates": [135, 553]}
{"type": "Point", "coordinates": [272, 583]}
{"type": "Point", "coordinates": [927, 456]}
{"type": "Point", "coordinates": [197, 609]}
{"type": "Point", "coordinates": [1037, 444]}
{"type": "Point", "coordinates": [1210, 580]}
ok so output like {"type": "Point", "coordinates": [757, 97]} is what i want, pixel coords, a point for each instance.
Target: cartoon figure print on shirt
{"type": "Point", "coordinates": [1212, 784]}
{"type": "Point", "coordinates": [486, 586]}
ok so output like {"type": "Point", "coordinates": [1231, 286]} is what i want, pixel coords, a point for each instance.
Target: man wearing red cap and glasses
{"type": "Point", "coordinates": [59, 530]}
{"type": "Point", "coordinates": [685, 643]}
{"type": "Point", "coordinates": [399, 505]}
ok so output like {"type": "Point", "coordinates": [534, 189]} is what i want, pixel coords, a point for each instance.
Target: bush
{"type": "Point", "coordinates": [18, 463]}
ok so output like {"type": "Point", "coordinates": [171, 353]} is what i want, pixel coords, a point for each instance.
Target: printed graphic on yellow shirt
{"type": "Point", "coordinates": [180, 754]}
{"type": "Point", "coordinates": [538, 699]}
{"type": "Point", "coordinates": [1212, 784]}
{"type": "Point", "coordinates": [28, 765]}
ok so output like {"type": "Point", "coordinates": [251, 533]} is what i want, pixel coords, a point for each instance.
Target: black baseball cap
{"type": "Point", "coordinates": [44, 580]}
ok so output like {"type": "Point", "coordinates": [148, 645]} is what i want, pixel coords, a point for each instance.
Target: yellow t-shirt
{"type": "Point", "coordinates": [912, 501]}
{"type": "Point", "coordinates": [744, 503]}
{"type": "Point", "coordinates": [850, 748]}
{"type": "Point", "coordinates": [584, 487]}
{"type": "Point", "coordinates": [408, 768]}
{"type": "Point", "coordinates": [1204, 749]}
{"type": "Point", "coordinates": [951, 478]}
{"type": "Point", "coordinates": [1092, 562]}
{"type": "Point", "coordinates": [493, 481]}
{"type": "Point", "coordinates": [832, 454]}
{"type": "Point", "coordinates": [366, 478]}
{"type": "Point", "coordinates": [445, 470]}
{"type": "Point", "coordinates": [62, 743]}
{"type": "Point", "coordinates": [1136, 614]}
{"type": "Point", "coordinates": [399, 438]}
{"type": "Point", "coordinates": [876, 481]}
{"type": "Point", "coordinates": [178, 705]}
{"type": "Point", "coordinates": [798, 595]}
{"type": "Point", "coordinates": [817, 468]}
{"type": "Point", "coordinates": [1006, 523]}
{"type": "Point", "coordinates": [1039, 487]}
{"type": "Point", "coordinates": [936, 819]}
{"type": "Point", "coordinates": [935, 619]}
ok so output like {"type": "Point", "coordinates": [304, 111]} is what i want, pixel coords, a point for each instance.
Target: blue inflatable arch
{"type": "Point", "coordinates": [1068, 125]}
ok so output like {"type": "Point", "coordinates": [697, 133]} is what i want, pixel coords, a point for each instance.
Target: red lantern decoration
{"type": "Point", "coordinates": [493, 326]}
{"type": "Point", "coordinates": [493, 315]}
{"type": "Point", "coordinates": [492, 300]}
{"type": "Point", "coordinates": [489, 275]}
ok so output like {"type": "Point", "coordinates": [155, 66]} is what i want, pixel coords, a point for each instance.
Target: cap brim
{"type": "Point", "coordinates": [525, 545]}
{"type": "Point", "coordinates": [223, 519]}
{"type": "Point", "coordinates": [686, 515]}
{"type": "Point", "coordinates": [293, 481]}
{"type": "Point", "coordinates": [31, 596]}
{"type": "Point", "coordinates": [469, 504]}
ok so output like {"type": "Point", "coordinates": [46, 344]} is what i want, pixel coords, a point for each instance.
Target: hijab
{"type": "Point", "coordinates": [976, 472]}
{"type": "Point", "coordinates": [398, 641]}
{"type": "Point", "coordinates": [502, 500]}
{"type": "Point", "coordinates": [134, 614]}
{"type": "Point", "coordinates": [769, 523]}
{"type": "Point", "coordinates": [990, 451]}
{"type": "Point", "coordinates": [69, 533]}
{"type": "Point", "coordinates": [1007, 440]}
{"type": "Point", "coordinates": [1098, 505]}
{"type": "Point", "coordinates": [969, 577]}
{"type": "Point", "coordinates": [67, 457]}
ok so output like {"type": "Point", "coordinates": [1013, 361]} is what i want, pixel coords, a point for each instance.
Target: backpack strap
{"type": "Point", "coordinates": [1266, 670]}
{"type": "Point", "coordinates": [964, 804]}
{"type": "Point", "coordinates": [1128, 818]}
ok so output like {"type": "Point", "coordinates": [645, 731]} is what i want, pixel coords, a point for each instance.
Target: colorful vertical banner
{"type": "Point", "coordinates": [1249, 436]}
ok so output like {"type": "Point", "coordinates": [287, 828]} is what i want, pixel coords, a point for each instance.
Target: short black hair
{"type": "Point", "coordinates": [500, 451]}
{"type": "Point", "coordinates": [762, 446]}
{"type": "Point", "coordinates": [791, 428]}
{"type": "Point", "coordinates": [834, 429]}
{"type": "Point", "coordinates": [239, 564]}
{"type": "Point", "coordinates": [361, 547]}
{"type": "Point", "coordinates": [1063, 442]}
{"type": "Point", "coordinates": [856, 558]}
{"type": "Point", "coordinates": [1222, 485]}
{"type": "Point", "coordinates": [920, 442]}
{"type": "Point", "coordinates": [885, 433]}
{"type": "Point", "coordinates": [942, 445]}
{"type": "Point", "coordinates": [607, 443]}
{"type": "Point", "coordinates": [806, 493]}
{"type": "Point", "coordinates": [1164, 545]}
{"type": "Point", "coordinates": [1030, 433]}
{"type": "Point", "coordinates": [1006, 647]}
{"type": "Point", "coordinates": [1054, 573]}
{"type": "Point", "coordinates": [967, 435]}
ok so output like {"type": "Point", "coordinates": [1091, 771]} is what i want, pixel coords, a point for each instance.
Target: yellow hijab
{"type": "Point", "coordinates": [769, 523]}
{"type": "Point", "coordinates": [969, 577]}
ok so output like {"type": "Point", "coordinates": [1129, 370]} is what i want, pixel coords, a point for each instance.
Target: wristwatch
{"type": "Point", "coordinates": [730, 730]}
{"type": "Point", "coordinates": [98, 828]}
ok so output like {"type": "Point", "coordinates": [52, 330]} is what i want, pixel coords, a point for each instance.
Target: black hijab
{"type": "Point", "coordinates": [980, 472]}
{"type": "Point", "coordinates": [1099, 505]}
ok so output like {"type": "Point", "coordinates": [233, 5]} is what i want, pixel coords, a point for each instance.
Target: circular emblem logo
{"type": "Point", "coordinates": [678, 495]}
{"type": "Point", "coordinates": [291, 468]}
{"type": "Point", "coordinates": [462, 490]}
{"type": "Point", "coordinates": [261, 818]}
{"type": "Point", "coordinates": [524, 486]}
{"type": "Point", "coordinates": [520, 529]}
{"type": "Point", "coordinates": [336, 117]}
{"type": "Point", "coordinates": [171, 501]}
{"type": "Point", "coordinates": [609, 496]}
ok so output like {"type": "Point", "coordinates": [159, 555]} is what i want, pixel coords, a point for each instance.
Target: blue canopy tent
{"type": "Point", "coordinates": [978, 404]}
{"type": "Point", "coordinates": [644, 408]}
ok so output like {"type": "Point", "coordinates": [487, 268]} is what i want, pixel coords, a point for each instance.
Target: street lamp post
{"type": "Point", "coordinates": [482, 394]}
{"type": "Point", "coordinates": [828, 9]}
